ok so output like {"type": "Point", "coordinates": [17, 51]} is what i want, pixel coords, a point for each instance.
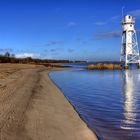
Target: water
{"type": "Point", "coordinates": [76, 65]}
{"type": "Point", "coordinates": [108, 101]}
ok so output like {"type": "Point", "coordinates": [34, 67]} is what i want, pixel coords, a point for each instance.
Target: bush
{"type": "Point", "coordinates": [103, 66]}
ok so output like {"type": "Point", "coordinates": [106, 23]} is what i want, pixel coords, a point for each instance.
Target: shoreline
{"type": "Point", "coordinates": [63, 69]}
{"type": "Point", "coordinates": [65, 98]}
{"type": "Point", "coordinates": [33, 107]}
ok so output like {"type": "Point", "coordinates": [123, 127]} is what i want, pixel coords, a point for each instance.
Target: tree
{"type": "Point", "coordinates": [7, 54]}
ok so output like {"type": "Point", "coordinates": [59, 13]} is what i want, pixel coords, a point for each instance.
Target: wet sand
{"type": "Point", "coordinates": [33, 108]}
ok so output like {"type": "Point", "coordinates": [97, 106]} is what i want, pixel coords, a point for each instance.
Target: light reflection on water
{"type": "Point", "coordinates": [131, 91]}
{"type": "Point", "coordinates": [108, 101]}
{"type": "Point", "coordinates": [130, 107]}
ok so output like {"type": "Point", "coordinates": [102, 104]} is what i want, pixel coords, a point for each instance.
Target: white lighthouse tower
{"type": "Point", "coordinates": [129, 50]}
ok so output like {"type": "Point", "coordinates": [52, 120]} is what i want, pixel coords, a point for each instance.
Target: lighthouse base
{"type": "Point", "coordinates": [131, 66]}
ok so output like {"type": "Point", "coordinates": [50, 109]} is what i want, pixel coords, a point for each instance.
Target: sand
{"type": "Point", "coordinates": [33, 108]}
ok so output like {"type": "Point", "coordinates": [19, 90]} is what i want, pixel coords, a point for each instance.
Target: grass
{"type": "Point", "coordinates": [101, 66]}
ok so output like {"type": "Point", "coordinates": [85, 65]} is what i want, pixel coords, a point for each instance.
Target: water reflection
{"type": "Point", "coordinates": [108, 101]}
{"type": "Point", "coordinates": [130, 79]}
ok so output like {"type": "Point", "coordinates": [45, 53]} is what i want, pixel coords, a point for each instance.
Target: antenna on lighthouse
{"type": "Point", "coordinates": [129, 49]}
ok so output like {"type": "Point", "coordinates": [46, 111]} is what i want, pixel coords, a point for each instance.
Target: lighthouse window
{"type": "Point", "coordinates": [131, 25]}
{"type": "Point", "coordinates": [129, 17]}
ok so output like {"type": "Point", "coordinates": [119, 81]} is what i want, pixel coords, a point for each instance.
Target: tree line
{"type": "Point", "coordinates": [10, 58]}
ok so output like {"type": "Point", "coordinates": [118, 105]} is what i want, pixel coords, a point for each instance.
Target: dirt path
{"type": "Point", "coordinates": [33, 108]}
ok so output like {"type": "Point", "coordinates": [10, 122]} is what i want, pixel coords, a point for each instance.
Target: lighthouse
{"type": "Point", "coordinates": [129, 49]}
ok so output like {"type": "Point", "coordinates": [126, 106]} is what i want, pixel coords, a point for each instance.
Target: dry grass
{"type": "Point", "coordinates": [104, 67]}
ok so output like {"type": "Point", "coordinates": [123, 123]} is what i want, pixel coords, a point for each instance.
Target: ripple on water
{"type": "Point", "coordinates": [108, 101]}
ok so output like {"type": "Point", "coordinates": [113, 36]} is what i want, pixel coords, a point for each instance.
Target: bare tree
{"type": "Point", "coordinates": [7, 54]}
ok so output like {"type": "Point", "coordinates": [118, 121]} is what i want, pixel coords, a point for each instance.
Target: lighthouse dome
{"type": "Point", "coordinates": [128, 18]}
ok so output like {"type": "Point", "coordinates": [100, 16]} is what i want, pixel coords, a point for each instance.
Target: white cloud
{"type": "Point", "coordinates": [54, 42]}
{"type": "Point", "coordinates": [72, 24]}
{"type": "Point", "coordinates": [135, 13]}
{"type": "Point", "coordinates": [100, 23]}
{"type": "Point", "coordinates": [24, 55]}
{"type": "Point", "coordinates": [114, 18]}
{"type": "Point", "coordinates": [106, 35]}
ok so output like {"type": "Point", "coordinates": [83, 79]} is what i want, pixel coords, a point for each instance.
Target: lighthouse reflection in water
{"type": "Point", "coordinates": [131, 93]}
{"type": "Point", "coordinates": [108, 101]}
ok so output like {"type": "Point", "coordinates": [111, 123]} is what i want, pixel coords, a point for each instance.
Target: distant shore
{"type": "Point", "coordinates": [33, 108]}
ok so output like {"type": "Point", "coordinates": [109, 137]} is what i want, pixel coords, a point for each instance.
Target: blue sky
{"type": "Point", "coordinates": [64, 29]}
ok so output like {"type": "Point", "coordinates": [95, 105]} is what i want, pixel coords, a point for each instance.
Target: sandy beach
{"type": "Point", "coordinates": [33, 108]}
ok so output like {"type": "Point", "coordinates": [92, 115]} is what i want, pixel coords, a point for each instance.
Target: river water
{"type": "Point", "coordinates": [108, 101]}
